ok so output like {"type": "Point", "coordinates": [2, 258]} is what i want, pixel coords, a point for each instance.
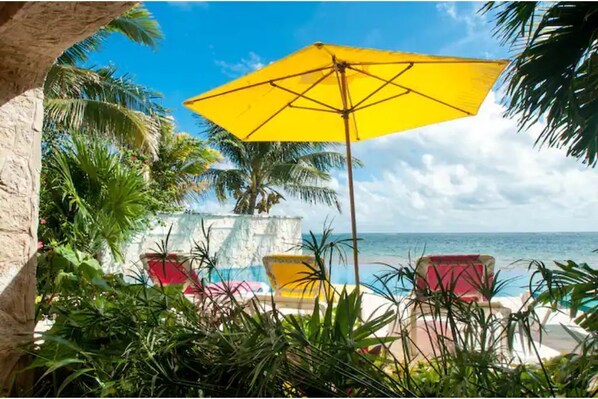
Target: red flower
{"type": "Point", "coordinates": [133, 158]}
{"type": "Point", "coordinates": [40, 245]}
{"type": "Point", "coordinates": [147, 161]}
{"type": "Point", "coordinates": [42, 221]}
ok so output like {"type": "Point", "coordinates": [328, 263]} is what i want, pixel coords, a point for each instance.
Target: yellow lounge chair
{"type": "Point", "coordinates": [294, 283]}
{"type": "Point", "coordinates": [294, 276]}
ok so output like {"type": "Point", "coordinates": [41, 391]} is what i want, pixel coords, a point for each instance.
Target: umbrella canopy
{"type": "Point", "coordinates": [336, 93]}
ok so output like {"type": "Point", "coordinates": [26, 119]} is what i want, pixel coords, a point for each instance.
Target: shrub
{"type": "Point", "coordinates": [111, 338]}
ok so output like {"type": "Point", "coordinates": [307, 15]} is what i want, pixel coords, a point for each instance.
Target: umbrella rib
{"type": "Point", "coordinates": [412, 91]}
{"type": "Point", "coordinates": [256, 84]}
{"type": "Point", "coordinates": [313, 109]}
{"type": "Point", "coordinates": [432, 62]}
{"type": "Point", "coordinates": [381, 101]}
{"type": "Point", "coordinates": [298, 95]}
{"type": "Point", "coordinates": [386, 83]}
{"type": "Point", "coordinates": [302, 95]}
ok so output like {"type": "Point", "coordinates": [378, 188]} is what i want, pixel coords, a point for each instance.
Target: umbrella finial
{"type": "Point", "coordinates": [318, 45]}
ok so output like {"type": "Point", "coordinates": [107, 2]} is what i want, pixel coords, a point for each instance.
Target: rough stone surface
{"type": "Point", "coordinates": [237, 240]}
{"type": "Point", "coordinates": [32, 36]}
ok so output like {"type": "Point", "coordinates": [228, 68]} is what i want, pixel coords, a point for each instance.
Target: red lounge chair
{"type": "Point", "coordinates": [175, 270]}
{"type": "Point", "coordinates": [462, 274]}
{"type": "Point", "coordinates": [171, 270]}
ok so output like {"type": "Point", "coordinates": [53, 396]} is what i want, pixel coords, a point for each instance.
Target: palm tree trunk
{"type": "Point", "coordinates": [252, 202]}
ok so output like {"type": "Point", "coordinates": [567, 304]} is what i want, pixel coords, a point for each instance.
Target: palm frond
{"type": "Point", "coordinates": [137, 24]}
{"type": "Point", "coordinates": [328, 160]}
{"type": "Point", "coordinates": [553, 79]}
{"type": "Point", "coordinates": [314, 195]}
{"type": "Point", "coordinates": [102, 84]}
{"type": "Point", "coordinates": [514, 20]}
{"type": "Point", "coordinates": [224, 181]}
{"type": "Point", "coordinates": [228, 145]}
{"type": "Point", "coordinates": [106, 119]}
{"type": "Point", "coordinates": [296, 173]}
{"type": "Point", "coordinates": [95, 198]}
{"type": "Point", "coordinates": [261, 167]}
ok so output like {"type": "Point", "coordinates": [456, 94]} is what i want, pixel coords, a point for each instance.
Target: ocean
{"type": "Point", "coordinates": [511, 250]}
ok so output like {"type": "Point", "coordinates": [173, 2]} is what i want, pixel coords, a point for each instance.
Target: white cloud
{"type": "Point", "coordinates": [473, 174]}
{"type": "Point", "coordinates": [449, 8]}
{"type": "Point", "coordinates": [233, 70]}
{"type": "Point", "coordinates": [477, 29]}
{"type": "Point", "coordinates": [188, 5]}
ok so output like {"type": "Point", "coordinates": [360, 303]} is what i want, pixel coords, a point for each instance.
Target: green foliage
{"type": "Point", "coordinates": [105, 332]}
{"type": "Point", "coordinates": [90, 198]}
{"type": "Point", "coordinates": [111, 338]}
{"type": "Point", "coordinates": [553, 77]}
{"type": "Point", "coordinates": [174, 176]}
{"type": "Point", "coordinates": [137, 25]}
{"type": "Point", "coordinates": [263, 171]}
{"type": "Point", "coordinates": [60, 272]}
{"type": "Point", "coordinates": [98, 102]}
{"type": "Point", "coordinates": [574, 286]}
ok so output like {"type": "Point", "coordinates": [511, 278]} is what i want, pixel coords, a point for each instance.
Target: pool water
{"type": "Point", "coordinates": [517, 280]}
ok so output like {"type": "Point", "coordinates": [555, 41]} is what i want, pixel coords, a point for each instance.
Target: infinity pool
{"type": "Point", "coordinates": [517, 279]}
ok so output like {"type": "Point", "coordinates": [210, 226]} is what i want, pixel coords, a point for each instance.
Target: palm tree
{"type": "Point", "coordinates": [174, 176]}
{"type": "Point", "coordinates": [263, 171]}
{"type": "Point", "coordinates": [91, 198]}
{"type": "Point", "coordinates": [96, 101]}
{"type": "Point", "coordinates": [554, 77]}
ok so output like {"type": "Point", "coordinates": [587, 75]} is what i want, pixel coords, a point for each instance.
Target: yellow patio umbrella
{"type": "Point", "coordinates": [336, 93]}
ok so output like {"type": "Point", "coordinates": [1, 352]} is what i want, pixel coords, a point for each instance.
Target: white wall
{"type": "Point", "coordinates": [237, 240]}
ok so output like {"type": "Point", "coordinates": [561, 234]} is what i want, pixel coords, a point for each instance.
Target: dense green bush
{"type": "Point", "coordinates": [112, 338]}
{"type": "Point", "coordinates": [90, 199]}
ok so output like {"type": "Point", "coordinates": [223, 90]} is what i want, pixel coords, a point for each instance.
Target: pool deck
{"type": "Point", "coordinates": [553, 341]}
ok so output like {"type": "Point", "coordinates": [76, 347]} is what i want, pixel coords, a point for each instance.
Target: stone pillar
{"type": "Point", "coordinates": [32, 35]}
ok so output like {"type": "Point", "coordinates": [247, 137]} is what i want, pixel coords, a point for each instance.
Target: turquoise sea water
{"type": "Point", "coordinates": [510, 250]}
{"type": "Point", "coordinates": [518, 280]}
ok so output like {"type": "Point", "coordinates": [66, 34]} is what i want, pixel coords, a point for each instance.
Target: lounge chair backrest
{"type": "Point", "coordinates": [463, 274]}
{"type": "Point", "coordinates": [170, 270]}
{"type": "Point", "coordinates": [288, 275]}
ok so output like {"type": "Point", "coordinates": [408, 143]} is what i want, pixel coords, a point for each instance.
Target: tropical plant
{"type": "Point", "coordinates": [174, 177]}
{"type": "Point", "coordinates": [110, 338]}
{"type": "Point", "coordinates": [97, 101]}
{"type": "Point", "coordinates": [262, 173]}
{"type": "Point", "coordinates": [90, 198]}
{"type": "Point", "coordinates": [573, 286]}
{"type": "Point", "coordinates": [553, 78]}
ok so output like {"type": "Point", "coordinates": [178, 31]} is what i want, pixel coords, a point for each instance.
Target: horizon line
{"type": "Point", "coordinates": [461, 232]}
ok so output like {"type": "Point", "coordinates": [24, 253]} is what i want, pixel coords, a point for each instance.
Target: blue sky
{"type": "Point", "coordinates": [209, 43]}
{"type": "Point", "coordinates": [476, 174]}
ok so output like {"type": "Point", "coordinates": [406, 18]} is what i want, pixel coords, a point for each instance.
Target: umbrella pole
{"type": "Point", "coordinates": [340, 67]}
{"type": "Point", "coordinates": [352, 201]}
